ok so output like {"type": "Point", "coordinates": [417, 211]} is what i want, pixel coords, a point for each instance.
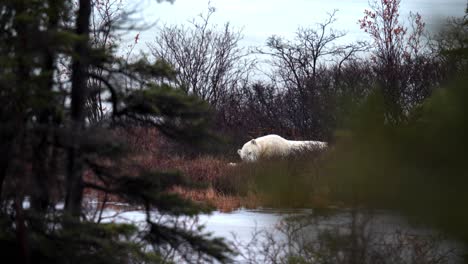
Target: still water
{"type": "Point", "coordinates": [388, 234]}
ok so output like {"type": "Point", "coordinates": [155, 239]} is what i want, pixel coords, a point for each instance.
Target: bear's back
{"type": "Point", "coordinates": [273, 145]}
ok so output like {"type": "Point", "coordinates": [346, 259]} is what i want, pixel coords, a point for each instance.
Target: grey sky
{"type": "Point", "coordinates": [260, 19]}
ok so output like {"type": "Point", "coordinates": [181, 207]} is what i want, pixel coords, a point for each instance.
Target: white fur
{"type": "Point", "coordinates": [275, 146]}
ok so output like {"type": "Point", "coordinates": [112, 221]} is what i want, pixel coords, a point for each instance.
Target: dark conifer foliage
{"type": "Point", "coordinates": [49, 141]}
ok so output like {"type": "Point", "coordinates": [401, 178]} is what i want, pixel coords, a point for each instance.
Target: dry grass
{"type": "Point", "coordinates": [222, 202]}
{"type": "Point", "coordinates": [291, 182]}
{"type": "Point", "coordinates": [152, 151]}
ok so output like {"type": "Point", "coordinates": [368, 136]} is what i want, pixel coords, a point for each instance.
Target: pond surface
{"type": "Point", "coordinates": [242, 223]}
{"type": "Point", "coordinates": [382, 228]}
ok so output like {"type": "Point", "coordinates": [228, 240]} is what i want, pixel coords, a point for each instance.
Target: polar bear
{"type": "Point", "coordinates": [275, 146]}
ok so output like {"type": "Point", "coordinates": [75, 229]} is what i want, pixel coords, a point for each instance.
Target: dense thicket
{"type": "Point", "coordinates": [417, 167]}
{"type": "Point", "coordinates": [309, 83]}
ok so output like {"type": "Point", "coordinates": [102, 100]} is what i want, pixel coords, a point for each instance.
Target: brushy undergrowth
{"type": "Point", "coordinates": [293, 182]}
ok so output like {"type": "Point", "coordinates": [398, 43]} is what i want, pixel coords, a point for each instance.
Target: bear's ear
{"type": "Point", "coordinates": [239, 151]}
{"type": "Point", "coordinates": [254, 142]}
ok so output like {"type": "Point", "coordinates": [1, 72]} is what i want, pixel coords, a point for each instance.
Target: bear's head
{"type": "Point", "coordinates": [250, 151]}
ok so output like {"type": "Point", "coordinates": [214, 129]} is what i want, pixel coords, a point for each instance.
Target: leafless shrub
{"type": "Point", "coordinates": [209, 60]}
{"type": "Point", "coordinates": [452, 37]}
{"type": "Point", "coordinates": [300, 68]}
{"type": "Point", "coordinates": [401, 57]}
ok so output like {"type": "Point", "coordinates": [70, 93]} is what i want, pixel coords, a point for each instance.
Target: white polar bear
{"type": "Point", "coordinates": [275, 146]}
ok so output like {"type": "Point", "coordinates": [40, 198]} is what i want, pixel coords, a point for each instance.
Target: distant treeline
{"type": "Point", "coordinates": [315, 79]}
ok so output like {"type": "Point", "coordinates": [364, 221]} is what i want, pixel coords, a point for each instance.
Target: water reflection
{"type": "Point", "coordinates": [275, 236]}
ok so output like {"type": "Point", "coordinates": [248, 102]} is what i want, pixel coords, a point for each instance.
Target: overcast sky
{"type": "Point", "coordinates": [260, 19]}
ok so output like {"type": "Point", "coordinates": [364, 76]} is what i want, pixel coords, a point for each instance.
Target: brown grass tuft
{"type": "Point", "coordinates": [223, 202]}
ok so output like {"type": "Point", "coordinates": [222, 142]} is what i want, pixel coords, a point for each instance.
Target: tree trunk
{"type": "Point", "coordinates": [74, 181]}
{"type": "Point", "coordinates": [21, 232]}
{"type": "Point", "coordinates": [4, 162]}
{"type": "Point", "coordinates": [41, 195]}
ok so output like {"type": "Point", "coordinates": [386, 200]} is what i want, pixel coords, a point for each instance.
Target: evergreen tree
{"type": "Point", "coordinates": [47, 144]}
